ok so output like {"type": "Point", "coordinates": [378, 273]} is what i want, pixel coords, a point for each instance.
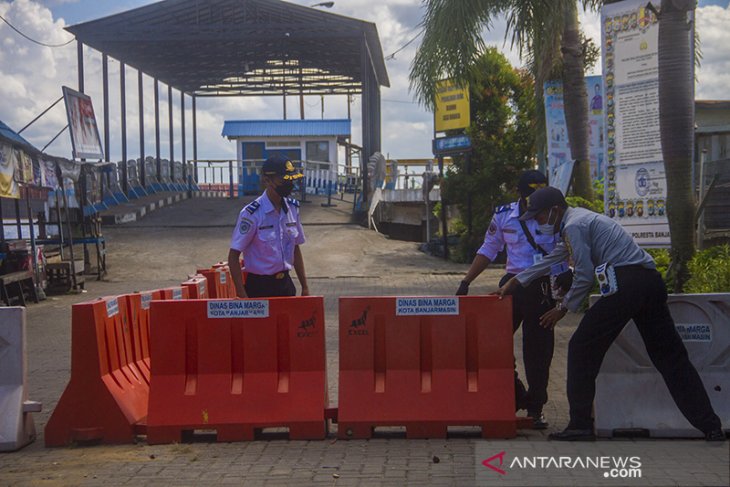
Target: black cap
{"type": "Point", "coordinates": [530, 181]}
{"type": "Point", "coordinates": [542, 199]}
{"type": "Point", "coordinates": [280, 166]}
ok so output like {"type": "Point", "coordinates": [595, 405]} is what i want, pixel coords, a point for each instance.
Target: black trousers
{"type": "Point", "coordinates": [641, 296]}
{"type": "Point", "coordinates": [528, 304]}
{"type": "Point", "coordinates": [260, 286]}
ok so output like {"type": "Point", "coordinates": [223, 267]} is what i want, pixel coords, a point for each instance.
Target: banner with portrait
{"type": "Point", "coordinates": [82, 125]}
{"type": "Point", "coordinates": [560, 163]}
{"type": "Point", "coordinates": [8, 186]}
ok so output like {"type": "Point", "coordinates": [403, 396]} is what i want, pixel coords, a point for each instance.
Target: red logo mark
{"type": "Point", "coordinates": [488, 463]}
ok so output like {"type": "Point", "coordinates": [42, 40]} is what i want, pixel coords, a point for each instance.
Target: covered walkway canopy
{"type": "Point", "coordinates": [209, 48]}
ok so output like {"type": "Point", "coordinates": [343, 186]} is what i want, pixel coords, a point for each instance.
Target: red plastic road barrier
{"type": "Point", "coordinates": [231, 285]}
{"type": "Point", "coordinates": [138, 309]}
{"type": "Point", "coordinates": [107, 393]}
{"type": "Point", "coordinates": [426, 364]}
{"type": "Point", "coordinates": [236, 366]}
{"type": "Point", "coordinates": [197, 287]}
{"type": "Point", "coordinates": [218, 279]}
{"type": "Point", "coordinates": [175, 293]}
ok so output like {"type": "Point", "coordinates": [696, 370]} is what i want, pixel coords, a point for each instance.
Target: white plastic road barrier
{"type": "Point", "coordinates": [631, 394]}
{"type": "Point", "coordinates": [16, 423]}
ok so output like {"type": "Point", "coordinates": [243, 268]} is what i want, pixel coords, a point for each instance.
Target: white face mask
{"type": "Point", "coordinates": [548, 228]}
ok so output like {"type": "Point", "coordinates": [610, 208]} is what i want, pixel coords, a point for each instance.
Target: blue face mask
{"type": "Point", "coordinates": [548, 228]}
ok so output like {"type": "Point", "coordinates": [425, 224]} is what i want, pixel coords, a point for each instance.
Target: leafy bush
{"type": "Point", "coordinates": [710, 271]}
{"type": "Point", "coordinates": [663, 260]}
{"type": "Point", "coordinates": [577, 201]}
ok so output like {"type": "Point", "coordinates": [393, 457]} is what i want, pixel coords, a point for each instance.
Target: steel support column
{"type": "Point", "coordinates": [123, 89]}
{"type": "Point", "coordinates": [182, 128]}
{"type": "Point", "coordinates": [195, 139]}
{"type": "Point", "coordinates": [80, 64]}
{"type": "Point", "coordinates": [375, 116]}
{"type": "Point", "coordinates": [365, 110]}
{"type": "Point", "coordinates": [140, 89]}
{"type": "Point", "coordinates": [301, 95]}
{"type": "Point", "coordinates": [105, 95]}
{"type": "Point", "coordinates": [172, 137]}
{"type": "Point", "coordinates": [157, 127]}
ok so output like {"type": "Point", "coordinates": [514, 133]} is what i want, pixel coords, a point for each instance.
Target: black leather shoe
{"type": "Point", "coordinates": [538, 420]}
{"type": "Point", "coordinates": [573, 435]}
{"type": "Point", "coordinates": [715, 435]}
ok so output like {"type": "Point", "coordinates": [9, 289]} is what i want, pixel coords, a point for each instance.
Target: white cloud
{"type": "Point", "coordinates": [31, 77]}
{"type": "Point", "coordinates": [714, 74]}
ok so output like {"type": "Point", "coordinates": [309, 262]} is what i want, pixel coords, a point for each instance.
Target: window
{"type": "Point", "coordinates": [318, 151]}
{"type": "Point", "coordinates": [253, 151]}
{"type": "Point", "coordinates": [282, 143]}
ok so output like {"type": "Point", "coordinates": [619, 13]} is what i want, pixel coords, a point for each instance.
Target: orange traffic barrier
{"type": "Point", "coordinates": [426, 364]}
{"type": "Point", "coordinates": [197, 287]}
{"type": "Point", "coordinates": [235, 366]}
{"type": "Point", "coordinates": [107, 393]}
{"type": "Point", "coordinates": [231, 285]}
{"type": "Point", "coordinates": [138, 308]}
{"type": "Point", "coordinates": [218, 282]}
{"type": "Point", "coordinates": [175, 293]}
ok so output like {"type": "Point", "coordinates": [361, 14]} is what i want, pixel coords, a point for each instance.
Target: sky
{"type": "Point", "coordinates": [31, 77]}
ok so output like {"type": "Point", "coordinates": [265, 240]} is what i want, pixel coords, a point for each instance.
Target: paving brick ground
{"type": "Point", "coordinates": [341, 259]}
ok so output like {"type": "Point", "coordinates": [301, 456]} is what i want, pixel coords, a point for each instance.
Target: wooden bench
{"type": "Point", "coordinates": [98, 242]}
{"type": "Point", "coordinates": [18, 278]}
{"type": "Point", "coordinates": [60, 279]}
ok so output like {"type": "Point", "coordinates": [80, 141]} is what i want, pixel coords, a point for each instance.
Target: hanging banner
{"type": "Point", "coordinates": [49, 178]}
{"type": "Point", "coordinates": [23, 167]}
{"type": "Point", "coordinates": [82, 125]}
{"type": "Point", "coordinates": [8, 187]}
{"type": "Point", "coordinates": [635, 182]}
{"type": "Point", "coordinates": [69, 170]}
{"type": "Point", "coordinates": [452, 107]}
{"type": "Point", "coordinates": [560, 162]}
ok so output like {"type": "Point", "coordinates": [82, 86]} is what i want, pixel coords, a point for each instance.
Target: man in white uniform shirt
{"type": "Point", "coordinates": [525, 246]}
{"type": "Point", "coordinates": [268, 233]}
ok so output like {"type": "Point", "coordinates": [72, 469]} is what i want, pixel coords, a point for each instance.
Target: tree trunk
{"type": "Point", "coordinates": [676, 124]}
{"type": "Point", "coordinates": [576, 103]}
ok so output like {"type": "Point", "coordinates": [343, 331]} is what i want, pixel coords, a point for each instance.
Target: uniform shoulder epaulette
{"type": "Point", "coordinates": [292, 201]}
{"type": "Point", "coordinates": [502, 209]}
{"type": "Point", "coordinates": [252, 207]}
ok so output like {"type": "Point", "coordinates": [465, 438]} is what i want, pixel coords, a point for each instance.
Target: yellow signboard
{"type": "Point", "coordinates": [452, 107]}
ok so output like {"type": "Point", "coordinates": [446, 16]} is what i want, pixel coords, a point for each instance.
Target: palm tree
{"type": "Point", "coordinates": [541, 30]}
{"type": "Point", "coordinates": [676, 125]}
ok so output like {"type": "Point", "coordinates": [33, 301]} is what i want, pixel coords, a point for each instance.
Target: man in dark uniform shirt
{"type": "Point", "coordinates": [637, 292]}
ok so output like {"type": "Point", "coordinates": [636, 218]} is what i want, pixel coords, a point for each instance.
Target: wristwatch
{"type": "Point", "coordinates": [560, 306]}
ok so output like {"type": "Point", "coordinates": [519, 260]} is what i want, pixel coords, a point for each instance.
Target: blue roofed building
{"type": "Point", "coordinates": [13, 137]}
{"type": "Point", "coordinates": [312, 144]}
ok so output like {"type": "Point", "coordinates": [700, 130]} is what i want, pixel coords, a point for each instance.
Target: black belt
{"type": "Point", "coordinates": [277, 276]}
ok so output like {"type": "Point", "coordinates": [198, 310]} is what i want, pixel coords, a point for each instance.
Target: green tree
{"type": "Point", "coordinates": [502, 132]}
{"type": "Point", "coordinates": [543, 31]}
